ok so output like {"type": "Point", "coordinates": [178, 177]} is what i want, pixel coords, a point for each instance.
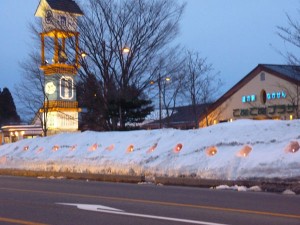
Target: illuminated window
{"type": "Point", "coordinates": [291, 117]}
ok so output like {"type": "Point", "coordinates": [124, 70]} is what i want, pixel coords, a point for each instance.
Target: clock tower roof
{"type": "Point", "coordinates": [68, 6]}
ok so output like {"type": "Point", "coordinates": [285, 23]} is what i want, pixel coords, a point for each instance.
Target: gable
{"type": "Point", "coordinates": [63, 6]}
{"type": "Point", "coordinates": [277, 73]}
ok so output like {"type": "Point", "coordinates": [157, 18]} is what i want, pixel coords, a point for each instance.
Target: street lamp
{"type": "Point", "coordinates": [159, 82]}
{"type": "Point", "coordinates": [126, 50]}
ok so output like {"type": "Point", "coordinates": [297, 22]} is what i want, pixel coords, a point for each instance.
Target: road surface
{"type": "Point", "coordinates": [36, 201]}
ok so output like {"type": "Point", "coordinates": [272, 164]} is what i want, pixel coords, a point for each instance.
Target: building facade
{"type": "Point", "coordinates": [267, 92]}
{"type": "Point", "coordinates": [13, 133]}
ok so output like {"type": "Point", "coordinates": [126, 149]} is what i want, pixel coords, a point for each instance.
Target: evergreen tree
{"type": "Point", "coordinates": [90, 100]}
{"type": "Point", "coordinates": [8, 112]}
{"type": "Point", "coordinates": [135, 107]}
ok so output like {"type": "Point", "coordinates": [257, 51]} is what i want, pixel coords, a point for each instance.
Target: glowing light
{"type": "Point", "coordinates": [211, 151]}
{"type": "Point", "coordinates": [291, 117]}
{"type": "Point", "coordinates": [93, 147]}
{"type": "Point", "coordinates": [55, 148]}
{"type": "Point", "coordinates": [16, 133]}
{"type": "Point", "coordinates": [168, 79]}
{"type": "Point", "coordinates": [244, 152]}
{"type": "Point", "coordinates": [110, 148]}
{"type": "Point", "coordinates": [126, 50]}
{"type": "Point", "coordinates": [83, 54]}
{"type": "Point", "coordinates": [152, 148]}
{"type": "Point", "coordinates": [130, 148]}
{"type": "Point", "coordinates": [178, 148]}
{"type": "Point", "coordinates": [22, 133]}
{"type": "Point", "coordinates": [292, 147]}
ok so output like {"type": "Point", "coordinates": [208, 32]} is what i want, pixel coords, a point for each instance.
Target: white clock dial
{"type": "Point", "coordinates": [50, 88]}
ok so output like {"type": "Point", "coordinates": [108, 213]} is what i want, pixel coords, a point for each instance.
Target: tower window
{"type": "Point", "coordinates": [262, 77]}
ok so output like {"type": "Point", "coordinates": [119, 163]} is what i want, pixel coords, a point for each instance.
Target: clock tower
{"type": "Point", "coordinates": [60, 62]}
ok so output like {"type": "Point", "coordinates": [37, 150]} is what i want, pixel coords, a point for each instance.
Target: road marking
{"type": "Point", "coordinates": [105, 209]}
{"type": "Point", "coordinates": [23, 222]}
{"type": "Point", "coordinates": [92, 207]}
{"type": "Point", "coordinates": [293, 216]}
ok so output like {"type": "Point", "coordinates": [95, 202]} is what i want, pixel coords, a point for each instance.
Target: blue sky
{"type": "Point", "coordinates": [233, 35]}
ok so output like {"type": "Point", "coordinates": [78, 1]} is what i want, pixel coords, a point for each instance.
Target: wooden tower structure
{"type": "Point", "coordinates": [60, 62]}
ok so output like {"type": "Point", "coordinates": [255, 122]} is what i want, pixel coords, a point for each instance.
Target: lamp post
{"type": "Point", "coordinates": [160, 100]}
{"type": "Point", "coordinates": [159, 83]}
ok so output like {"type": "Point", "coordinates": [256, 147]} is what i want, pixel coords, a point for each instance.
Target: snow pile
{"type": "Point", "coordinates": [240, 150]}
{"type": "Point", "coordinates": [238, 188]}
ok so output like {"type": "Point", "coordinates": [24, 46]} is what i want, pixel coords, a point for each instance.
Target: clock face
{"type": "Point", "coordinates": [49, 16]}
{"type": "Point", "coordinates": [50, 88]}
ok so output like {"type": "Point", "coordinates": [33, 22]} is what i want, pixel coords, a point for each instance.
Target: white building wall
{"type": "Point", "coordinates": [277, 105]}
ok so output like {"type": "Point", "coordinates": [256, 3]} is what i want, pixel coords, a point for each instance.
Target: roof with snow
{"type": "Point", "coordinates": [69, 6]}
{"type": "Point", "coordinates": [183, 117]}
{"type": "Point", "coordinates": [289, 71]}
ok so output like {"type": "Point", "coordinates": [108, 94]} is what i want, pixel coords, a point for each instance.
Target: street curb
{"type": "Point", "coordinates": [76, 176]}
{"type": "Point", "coordinates": [268, 185]}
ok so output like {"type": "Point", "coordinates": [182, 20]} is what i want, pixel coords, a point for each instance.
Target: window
{"type": "Point", "coordinates": [263, 97]}
{"type": "Point", "coordinates": [63, 21]}
{"type": "Point", "coordinates": [262, 77]}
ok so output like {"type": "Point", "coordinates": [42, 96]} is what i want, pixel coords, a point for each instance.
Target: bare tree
{"type": "Point", "coordinates": [124, 41]}
{"type": "Point", "coordinates": [200, 84]}
{"type": "Point", "coordinates": [291, 34]}
{"type": "Point", "coordinates": [170, 80]}
{"type": "Point", "coordinates": [30, 91]}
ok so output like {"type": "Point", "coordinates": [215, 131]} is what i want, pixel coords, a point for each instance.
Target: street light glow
{"type": "Point", "coordinates": [126, 50]}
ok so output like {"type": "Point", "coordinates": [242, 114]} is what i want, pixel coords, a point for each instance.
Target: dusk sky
{"type": "Point", "coordinates": [233, 35]}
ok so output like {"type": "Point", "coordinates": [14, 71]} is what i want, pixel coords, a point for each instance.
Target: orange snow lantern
{"type": "Point", "coordinates": [178, 147]}
{"type": "Point", "coordinates": [152, 148]}
{"type": "Point", "coordinates": [110, 148]}
{"type": "Point", "coordinates": [211, 151]}
{"type": "Point", "coordinates": [292, 147]}
{"type": "Point", "coordinates": [55, 148]}
{"type": "Point", "coordinates": [130, 148]}
{"type": "Point", "coordinates": [93, 147]}
{"type": "Point", "coordinates": [244, 152]}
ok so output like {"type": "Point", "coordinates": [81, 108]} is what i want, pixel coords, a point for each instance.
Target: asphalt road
{"type": "Point", "coordinates": [31, 201]}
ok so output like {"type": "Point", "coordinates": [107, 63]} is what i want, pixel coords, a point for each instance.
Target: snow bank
{"type": "Point", "coordinates": [243, 149]}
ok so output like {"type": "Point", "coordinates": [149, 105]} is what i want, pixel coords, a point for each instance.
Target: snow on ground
{"type": "Point", "coordinates": [239, 150]}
